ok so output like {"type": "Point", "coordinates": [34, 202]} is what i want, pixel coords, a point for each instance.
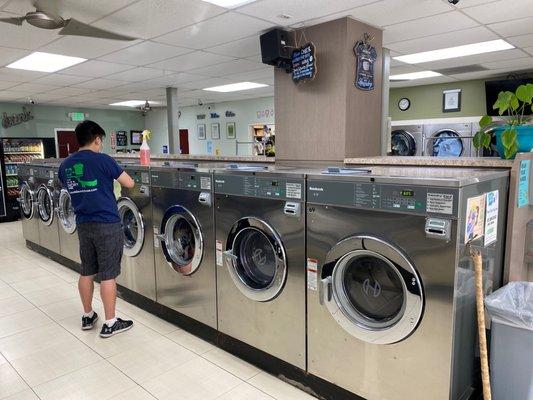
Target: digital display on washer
{"type": "Point", "coordinates": [407, 193]}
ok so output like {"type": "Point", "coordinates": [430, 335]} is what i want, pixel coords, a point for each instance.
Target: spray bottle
{"type": "Point", "coordinates": [145, 149]}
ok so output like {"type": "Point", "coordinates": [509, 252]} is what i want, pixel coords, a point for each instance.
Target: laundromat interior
{"type": "Point", "coordinates": [266, 200]}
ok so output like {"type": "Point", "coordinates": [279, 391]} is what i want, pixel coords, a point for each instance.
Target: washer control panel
{"type": "Point", "coordinates": [182, 180]}
{"type": "Point", "coordinates": [260, 186]}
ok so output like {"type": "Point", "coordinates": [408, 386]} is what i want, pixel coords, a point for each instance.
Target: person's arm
{"type": "Point", "coordinates": [125, 180]}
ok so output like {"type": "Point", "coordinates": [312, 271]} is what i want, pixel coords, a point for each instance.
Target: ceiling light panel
{"type": "Point", "coordinates": [414, 75]}
{"type": "Point", "coordinates": [235, 87]}
{"type": "Point", "coordinates": [456, 52]}
{"type": "Point", "coordinates": [45, 62]}
{"type": "Point", "coordinates": [129, 103]}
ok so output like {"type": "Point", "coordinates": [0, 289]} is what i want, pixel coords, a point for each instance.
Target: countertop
{"type": "Point", "coordinates": [462, 162]}
{"type": "Point", "coordinates": [193, 157]}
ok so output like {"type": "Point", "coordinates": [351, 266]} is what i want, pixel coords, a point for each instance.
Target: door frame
{"type": "Point", "coordinates": [55, 137]}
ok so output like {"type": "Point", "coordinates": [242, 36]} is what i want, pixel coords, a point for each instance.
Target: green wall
{"type": "Point", "coordinates": [47, 118]}
{"type": "Point", "coordinates": [426, 101]}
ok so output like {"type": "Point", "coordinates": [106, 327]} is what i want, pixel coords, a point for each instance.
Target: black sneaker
{"type": "Point", "coordinates": [119, 326]}
{"type": "Point", "coordinates": [88, 323]}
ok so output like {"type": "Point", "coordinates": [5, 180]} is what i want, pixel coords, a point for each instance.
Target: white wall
{"type": "Point", "coordinates": [246, 114]}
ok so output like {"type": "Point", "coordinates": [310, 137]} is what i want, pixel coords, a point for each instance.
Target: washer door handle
{"type": "Point", "coordinates": [229, 258]}
{"type": "Point", "coordinates": [325, 291]}
{"type": "Point", "coordinates": [160, 237]}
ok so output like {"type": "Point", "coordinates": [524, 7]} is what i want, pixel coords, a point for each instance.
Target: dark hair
{"type": "Point", "coordinates": [87, 131]}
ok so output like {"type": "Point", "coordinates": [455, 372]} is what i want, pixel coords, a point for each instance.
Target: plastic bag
{"type": "Point", "coordinates": [512, 304]}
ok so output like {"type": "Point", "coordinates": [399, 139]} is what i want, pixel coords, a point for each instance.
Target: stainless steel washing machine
{"type": "Point", "coordinates": [260, 246]}
{"type": "Point", "coordinates": [183, 227]}
{"type": "Point", "coordinates": [407, 140]}
{"type": "Point", "coordinates": [449, 140]}
{"type": "Point", "coordinates": [390, 285]}
{"type": "Point", "coordinates": [69, 244]}
{"type": "Point", "coordinates": [28, 205]}
{"type": "Point", "coordinates": [46, 196]}
{"type": "Point", "coordinates": [135, 211]}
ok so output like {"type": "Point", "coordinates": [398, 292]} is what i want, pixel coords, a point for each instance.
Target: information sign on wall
{"type": "Point", "coordinates": [304, 63]}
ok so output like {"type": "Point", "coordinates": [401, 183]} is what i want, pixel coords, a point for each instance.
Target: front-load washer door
{"type": "Point", "coordinates": [45, 204]}
{"type": "Point", "coordinates": [182, 241]}
{"type": "Point", "coordinates": [372, 290]}
{"type": "Point", "coordinates": [26, 200]}
{"type": "Point", "coordinates": [132, 226]}
{"type": "Point", "coordinates": [402, 143]}
{"type": "Point", "coordinates": [447, 143]}
{"type": "Point", "coordinates": [256, 259]}
{"type": "Point", "coordinates": [65, 212]}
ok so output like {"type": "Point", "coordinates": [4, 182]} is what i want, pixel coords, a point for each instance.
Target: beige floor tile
{"type": "Point", "coordinates": [16, 264]}
{"type": "Point", "coordinates": [25, 275]}
{"type": "Point", "coordinates": [196, 380]}
{"type": "Point", "coordinates": [71, 307]}
{"type": "Point", "coordinates": [99, 381]}
{"type": "Point", "coordinates": [137, 393]}
{"type": "Point", "coordinates": [191, 342]}
{"type": "Point", "coordinates": [150, 320]}
{"type": "Point", "coordinates": [245, 392]}
{"type": "Point", "coordinates": [27, 394]}
{"type": "Point", "coordinates": [6, 291]}
{"type": "Point", "coordinates": [55, 361]}
{"type": "Point", "coordinates": [61, 291]}
{"type": "Point", "coordinates": [64, 273]}
{"type": "Point", "coordinates": [2, 359]}
{"type": "Point", "coordinates": [277, 388]}
{"type": "Point", "coordinates": [10, 382]}
{"type": "Point", "coordinates": [40, 283]}
{"type": "Point", "coordinates": [22, 321]}
{"type": "Point", "coordinates": [30, 341]}
{"type": "Point", "coordinates": [6, 252]}
{"type": "Point", "coordinates": [13, 305]}
{"type": "Point", "coordinates": [232, 364]}
{"type": "Point", "coordinates": [151, 359]}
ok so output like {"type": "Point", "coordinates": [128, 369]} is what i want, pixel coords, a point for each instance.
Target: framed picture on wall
{"type": "Point", "coordinates": [136, 137]}
{"type": "Point", "coordinates": [201, 131]}
{"type": "Point", "coordinates": [451, 100]}
{"type": "Point", "coordinates": [215, 130]}
{"type": "Point", "coordinates": [230, 130]}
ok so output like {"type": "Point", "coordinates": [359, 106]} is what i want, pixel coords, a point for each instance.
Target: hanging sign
{"type": "Point", "coordinates": [122, 138]}
{"type": "Point", "coordinates": [366, 56]}
{"type": "Point", "coordinates": [113, 140]}
{"type": "Point", "coordinates": [15, 119]}
{"type": "Point", "coordinates": [304, 63]}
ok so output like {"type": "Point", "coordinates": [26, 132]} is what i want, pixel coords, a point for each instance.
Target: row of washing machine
{"type": "Point", "coordinates": [359, 277]}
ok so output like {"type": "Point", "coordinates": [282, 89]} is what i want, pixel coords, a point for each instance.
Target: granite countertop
{"type": "Point", "coordinates": [463, 162]}
{"type": "Point", "coordinates": [198, 157]}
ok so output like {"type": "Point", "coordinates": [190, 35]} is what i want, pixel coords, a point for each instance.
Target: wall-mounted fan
{"type": "Point", "coordinates": [47, 16]}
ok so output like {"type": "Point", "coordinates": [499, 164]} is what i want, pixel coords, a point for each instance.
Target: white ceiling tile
{"type": "Point", "coordinates": [25, 36]}
{"type": "Point", "coordinates": [516, 27]}
{"type": "Point", "coordinates": [33, 88]}
{"type": "Point", "coordinates": [404, 69]}
{"type": "Point", "coordinates": [519, 63]}
{"type": "Point", "coordinates": [174, 79]}
{"type": "Point", "coordinates": [145, 53]}
{"type": "Point", "coordinates": [7, 95]}
{"type": "Point", "coordinates": [222, 29]}
{"type": "Point", "coordinates": [19, 75]}
{"type": "Point", "coordinates": [252, 76]}
{"type": "Point", "coordinates": [8, 55]}
{"type": "Point", "coordinates": [191, 61]}
{"type": "Point", "coordinates": [522, 40]}
{"type": "Point", "coordinates": [423, 27]}
{"type": "Point", "coordinates": [148, 18]}
{"type": "Point", "coordinates": [231, 67]}
{"type": "Point", "coordinates": [69, 91]}
{"type": "Point", "coordinates": [99, 83]}
{"type": "Point", "coordinates": [204, 83]}
{"type": "Point", "coordinates": [7, 84]}
{"type": "Point", "coordinates": [135, 86]}
{"type": "Point", "coordinates": [85, 47]}
{"type": "Point", "coordinates": [503, 10]}
{"type": "Point", "coordinates": [46, 97]}
{"type": "Point", "coordinates": [137, 74]}
{"type": "Point", "coordinates": [95, 69]}
{"type": "Point", "coordinates": [471, 60]}
{"type": "Point", "coordinates": [444, 40]}
{"type": "Point", "coordinates": [395, 11]}
{"type": "Point", "coordinates": [241, 48]}
{"type": "Point", "coordinates": [471, 3]}
{"type": "Point", "coordinates": [61, 80]}
{"type": "Point", "coordinates": [256, 58]}
{"type": "Point", "coordinates": [299, 10]}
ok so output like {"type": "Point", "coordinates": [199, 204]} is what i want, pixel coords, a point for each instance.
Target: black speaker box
{"type": "Point", "coordinates": [275, 47]}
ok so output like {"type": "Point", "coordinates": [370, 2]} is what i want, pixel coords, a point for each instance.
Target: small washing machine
{"type": "Point", "coordinates": [390, 284]}
{"type": "Point", "coordinates": [135, 211]}
{"type": "Point", "coordinates": [46, 196]}
{"type": "Point", "coordinates": [183, 231]}
{"type": "Point", "coordinates": [449, 140]}
{"type": "Point", "coordinates": [407, 140]}
{"type": "Point", "coordinates": [260, 257]}
{"type": "Point", "coordinates": [28, 205]}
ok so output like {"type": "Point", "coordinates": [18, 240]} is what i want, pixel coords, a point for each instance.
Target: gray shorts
{"type": "Point", "coordinates": [101, 247]}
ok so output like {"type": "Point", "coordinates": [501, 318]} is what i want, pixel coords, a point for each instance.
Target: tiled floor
{"type": "Point", "coordinates": [45, 355]}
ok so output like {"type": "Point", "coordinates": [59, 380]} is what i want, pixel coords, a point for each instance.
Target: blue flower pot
{"type": "Point", "coordinates": [525, 138]}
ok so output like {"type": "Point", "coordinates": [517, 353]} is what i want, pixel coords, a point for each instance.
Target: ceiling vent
{"type": "Point", "coordinates": [461, 70]}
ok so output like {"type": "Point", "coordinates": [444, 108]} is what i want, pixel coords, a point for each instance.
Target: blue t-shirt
{"type": "Point", "coordinates": [88, 176]}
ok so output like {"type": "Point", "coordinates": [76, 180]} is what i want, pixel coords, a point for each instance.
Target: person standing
{"type": "Point", "coordinates": [88, 175]}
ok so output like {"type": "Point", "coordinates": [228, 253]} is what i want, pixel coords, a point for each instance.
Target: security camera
{"type": "Point", "coordinates": [31, 101]}
{"type": "Point", "coordinates": [453, 1]}
{"type": "Point", "coordinates": [200, 102]}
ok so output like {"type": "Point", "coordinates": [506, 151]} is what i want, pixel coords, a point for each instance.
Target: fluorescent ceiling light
{"type": "Point", "coordinates": [45, 62]}
{"type": "Point", "coordinates": [131, 103]}
{"type": "Point", "coordinates": [235, 87]}
{"type": "Point", "coordinates": [229, 3]}
{"type": "Point", "coordinates": [454, 52]}
{"type": "Point", "coordinates": [414, 75]}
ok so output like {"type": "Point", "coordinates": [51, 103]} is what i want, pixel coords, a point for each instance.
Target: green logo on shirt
{"type": "Point", "coordinates": [76, 172]}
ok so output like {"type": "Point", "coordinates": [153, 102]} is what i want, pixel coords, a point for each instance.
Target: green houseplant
{"type": "Point", "coordinates": [516, 133]}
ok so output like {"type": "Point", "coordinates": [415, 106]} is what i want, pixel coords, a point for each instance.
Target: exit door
{"type": "Point", "coordinates": [184, 141]}
{"type": "Point", "coordinates": [66, 143]}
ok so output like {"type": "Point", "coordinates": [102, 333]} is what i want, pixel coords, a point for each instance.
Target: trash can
{"type": "Point", "coordinates": [511, 345]}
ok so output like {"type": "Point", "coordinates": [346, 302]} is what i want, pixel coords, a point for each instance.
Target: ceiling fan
{"type": "Point", "coordinates": [145, 108]}
{"type": "Point", "coordinates": [47, 16]}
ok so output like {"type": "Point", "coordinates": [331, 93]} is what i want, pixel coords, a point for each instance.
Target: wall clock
{"type": "Point", "coordinates": [404, 104]}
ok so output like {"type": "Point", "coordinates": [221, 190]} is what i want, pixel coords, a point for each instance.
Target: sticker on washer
{"type": "Point", "coordinates": [491, 218]}
{"type": "Point", "coordinates": [475, 218]}
{"type": "Point", "coordinates": [51, 174]}
{"type": "Point", "coordinates": [312, 274]}
{"type": "Point", "coordinates": [156, 236]}
{"type": "Point", "coordinates": [145, 177]}
{"type": "Point", "coordinates": [440, 203]}
{"type": "Point", "coordinates": [293, 190]}
{"type": "Point", "coordinates": [205, 183]}
{"type": "Point", "coordinates": [220, 262]}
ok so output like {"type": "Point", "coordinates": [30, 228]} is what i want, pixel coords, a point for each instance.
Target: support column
{"type": "Point", "coordinates": [385, 119]}
{"type": "Point", "coordinates": [172, 121]}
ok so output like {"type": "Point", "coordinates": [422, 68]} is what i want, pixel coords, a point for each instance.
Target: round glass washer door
{"type": "Point", "coordinates": [45, 204]}
{"type": "Point", "coordinates": [132, 226]}
{"type": "Point", "coordinates": [373, 291]}
{"type": "Point", "coordinates": [256, 259]}
{"type": "Point", "coordinates": [402, 143]}
{"type": "Point", "coordinates": [447, 143]}
{"type": "Point", "coordinates": [26, 200]}
{"type": "Point", "coordinates": [65, 212]}
{"type": "Point", "coordinates": [182, 241]}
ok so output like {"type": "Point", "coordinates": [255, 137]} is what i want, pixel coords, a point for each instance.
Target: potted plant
{"type": "Point", "coordinates": [516, 132]}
